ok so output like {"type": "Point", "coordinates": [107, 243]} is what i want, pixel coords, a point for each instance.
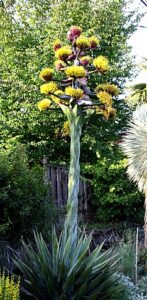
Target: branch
{"type": "Point", "coordinates": [144, 2]}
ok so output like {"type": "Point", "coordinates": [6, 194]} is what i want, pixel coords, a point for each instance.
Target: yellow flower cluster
{"type": "Point", "coordinates": [75, 93]}
{"type": "Point", "coordinates": [63, 53]}
{"type": "Point", "coordinates": [75, 71]}
{"type": "Point", "coordinates": [101, 63]}
{"type": "Point", "coordinates": [107, 112]}
{"type": "Point", "coordinates": [46, 74]}
{"type": "Point", "coordinates": [109, 88]}
{"type": "Point", "coordinates": [44, 104]}
{"type": "Point", "coordinates": [8, 288]}
{"type": "Point", "coordinates": [82, 42]}
{"type": "Point", "coordinates": [66, 129]}
{"type": "Point", "coordinates": [94, 41]}
{"type": "Point", "coordinates": [56, 99]}
{"type": "Point", "coordinates": [105, 98]}
{"type": "Point", "coordinates": [48, 88]}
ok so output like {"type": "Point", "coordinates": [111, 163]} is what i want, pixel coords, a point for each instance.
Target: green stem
{"type": "Point", "coordinates": [75, 122]}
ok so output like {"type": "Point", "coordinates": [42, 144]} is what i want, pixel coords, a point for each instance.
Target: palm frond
{"type": "Point", "coordinates": [134, 145]}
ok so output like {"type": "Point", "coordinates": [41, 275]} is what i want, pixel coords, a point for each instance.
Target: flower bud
{"type": "Point", "coordinates": [73, 33]}
{"type": "Point", "coordinates": [56, 45]}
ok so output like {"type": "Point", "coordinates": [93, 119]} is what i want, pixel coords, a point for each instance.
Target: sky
{"type": "Point", "coordinates": [138, 41]}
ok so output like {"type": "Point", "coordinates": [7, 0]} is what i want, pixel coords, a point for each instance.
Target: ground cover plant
{"type": "Point", "coordinates": [9, 290]}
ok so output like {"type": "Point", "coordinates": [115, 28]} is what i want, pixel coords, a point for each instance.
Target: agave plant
{"type": "Point", "coordinates": [134, 145]}
{"type": "Point", "coordinates": [70, 92]}
{"type": "Point", "coordinates": [68, 271]}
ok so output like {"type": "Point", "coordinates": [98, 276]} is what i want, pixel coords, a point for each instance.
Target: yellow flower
{"type": "Point", "coordinates": [46, 74]}
{"type": "Point", "coordinates": [112, 111]}
{"type": "Point", "coordinates": [105, 113]}
{"type": "Point", "coordinates": [75, 93]}
{"type": "Point", "coordinates": [44, 104]}
{"type": "Point", "coordinates": [108, 112]}
{"type": "Point", "coordinates": [82, 42]}
{"type": "Point", "coordinates": [109, 88]}
{"type": "Point", "coordinates": [66, 129]}
{"type": "Point", "coordinates": [59, 64]}
{"type": "Point", "coordinates": [105, 98]}
{"type": "Point", "coordinates": [56, 45]}
{"type": "Point", "coordinates": [56, 99]}
{"type": "Point", "coordinates": [75, 71]}
{"type": "Point", "coordinates": [85, 60]}
{"type": "Point", "coordinates": [101, 63]}
{"type": "Point", "coordinates": [94, 41]}
{"type": "Point", "coordinates": [48, 88]}
{"type": "Point", "coordinates": [63, 53]}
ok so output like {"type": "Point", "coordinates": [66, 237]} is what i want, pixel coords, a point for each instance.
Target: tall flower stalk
{"type": "Point", "coordinates": [75, 64]}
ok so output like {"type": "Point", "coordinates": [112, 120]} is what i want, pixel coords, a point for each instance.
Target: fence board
{"type": "Point", "coordinates": [58, 178]}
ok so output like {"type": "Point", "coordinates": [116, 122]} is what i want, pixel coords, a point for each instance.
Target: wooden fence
{"type": "Point", "coordinates": [57, 176]}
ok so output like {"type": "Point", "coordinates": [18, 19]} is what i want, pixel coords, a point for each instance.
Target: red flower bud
{"type": "Point", "coordinates": [84, 62]}
{"type": "Point", "coordinates": [59, 65]}
{"type": "Point", "coordinates": [73, 33]}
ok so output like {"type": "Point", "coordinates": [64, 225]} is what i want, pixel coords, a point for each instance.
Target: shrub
{"type": "Point", "coordinates": [9, 290]}
{"type": "Point", "coordinates": [66, 271]}
{"type": "Point", "coordinates": [23, 195]}
{"type": "Point", "coordinates": [127, 254]}
{"type": "Point", "coordinates": [114, 197]}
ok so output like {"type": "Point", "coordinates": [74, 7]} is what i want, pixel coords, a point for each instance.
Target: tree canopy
{"type": "Point", "coordinates": [28, 29]}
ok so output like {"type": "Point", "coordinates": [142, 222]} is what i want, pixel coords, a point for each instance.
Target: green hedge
{"type": "Point", "coordinates": [114, 196]}
{"type": "Point", "coordinates": [24, 200]}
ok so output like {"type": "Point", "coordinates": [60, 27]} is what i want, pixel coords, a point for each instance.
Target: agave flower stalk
{"type": "Point", "coordinates": [134, 145]}
{"type": "Point", "coordinates": [75, 125]}
{"type": "Point", "coordinates": [76, 100]}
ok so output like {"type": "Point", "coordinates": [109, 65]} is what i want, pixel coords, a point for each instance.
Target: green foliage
{"type": "Point", "coordinates": [26, 49]}
{"type": "Point", "coordinates": [142, 284]}
{"type": "Point", "coordinates": [23, 195]}
{"type": "Point", "coordinates": [67, 271]}
{"type": "Point", "coordinates": [127, 254]}
{"type": "Point", "coordinates": [9, 290]}
{"type": "Point", "coordinates": [114, 197]}
{"type": "Point", "coordinates": [6, 256]}
{"type": "Point", "coordinates": [138, 94]}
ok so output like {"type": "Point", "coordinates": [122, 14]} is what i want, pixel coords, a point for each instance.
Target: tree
{"type": "Point", "coordinates": [26, 48]}
{"type": "Point", "coordinates": [134, 146]}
